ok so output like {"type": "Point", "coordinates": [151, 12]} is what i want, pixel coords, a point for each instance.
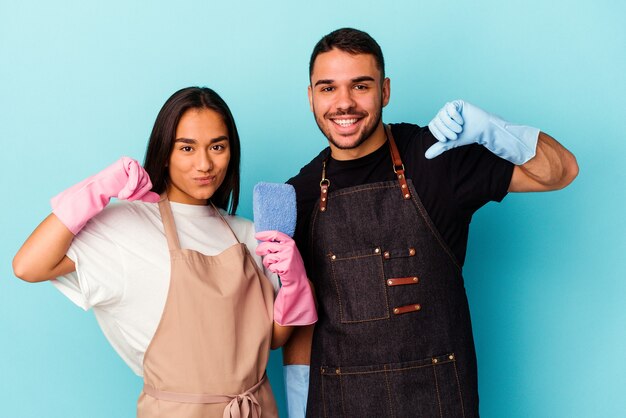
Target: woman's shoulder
{"type": "Point", "coordinates": [132, 226]}
{"type": "Point", "coordinates": [123, 214]}
{"type": "Point", "coordinates": [125, 208]}
{"type": "Point", "coordinates": [243, 227]}
{"type": "Point", "coordinates": [237, 220]}
{"type": "Point", "coordinates": [313, 169]}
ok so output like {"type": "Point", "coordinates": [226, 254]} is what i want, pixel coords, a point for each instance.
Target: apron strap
{"type": "Point", "coordinates": [398, 166]}
{"type": "Point", "coordinates": [324, 185]}
{"type": "Point", "coordinates": [243, 405]}
{"type": "Point", "coordinates": [170, 227]}
{"type": "Point", "coordinates": [224, 220]}
{"type": "Point", "coordinates": [168, 223]}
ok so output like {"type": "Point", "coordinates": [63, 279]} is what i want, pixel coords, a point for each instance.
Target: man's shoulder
{"type": "Point", "coordinates": [411, 134]}
{"type": "Point", "coordinates": [312, 169]}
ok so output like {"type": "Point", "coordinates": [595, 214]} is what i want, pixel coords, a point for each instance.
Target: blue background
{"type": "Point", "coordinates": [81, 83]}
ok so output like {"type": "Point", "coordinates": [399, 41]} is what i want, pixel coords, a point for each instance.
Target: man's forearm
{"type": "Point", "coordinates": [298, 349]}
{"type": "Point", "coordinates": [296, 358]}
{"type": "Point", "coordinates": [552, 168]}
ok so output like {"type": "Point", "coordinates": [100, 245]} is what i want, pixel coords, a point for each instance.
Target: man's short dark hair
{"type": "Point", "coordinates": [352, 41]}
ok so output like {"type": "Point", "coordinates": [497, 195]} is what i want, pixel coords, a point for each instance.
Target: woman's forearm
{"type": "Point", "coordinates": [42, 257]}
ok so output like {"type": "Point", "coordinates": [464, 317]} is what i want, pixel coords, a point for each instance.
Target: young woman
{"type": "Point", "coordinates": [168, 272]}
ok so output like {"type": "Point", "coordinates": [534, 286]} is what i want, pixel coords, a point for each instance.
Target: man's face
{"type": "Point", "coordinates": [347, 96]}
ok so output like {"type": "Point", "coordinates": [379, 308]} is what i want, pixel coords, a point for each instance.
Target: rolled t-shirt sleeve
{"type": "Point", "coordinates": [99, 275]}
{"type": "Point", "coordinates": [478, 176]}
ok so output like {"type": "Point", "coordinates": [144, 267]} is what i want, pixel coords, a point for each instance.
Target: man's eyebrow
{"type": "Point", "coordinates": [324, 81]}
{"type": "Point", "coordinates": [363, 78]}
{"type": "Point", "coordinates": [354, 80]}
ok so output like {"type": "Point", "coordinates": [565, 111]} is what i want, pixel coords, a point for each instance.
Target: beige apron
{"type": "Point", "coordinates": [210, 350]}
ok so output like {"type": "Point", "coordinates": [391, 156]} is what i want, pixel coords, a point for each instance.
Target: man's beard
{"type": "Point", "coordinates": [367, 132]}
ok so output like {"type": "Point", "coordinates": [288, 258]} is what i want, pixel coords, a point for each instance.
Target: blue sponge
{"type": "Point", "coordinates": [274, 207]}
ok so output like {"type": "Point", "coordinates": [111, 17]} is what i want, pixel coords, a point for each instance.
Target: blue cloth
{"type": "Point", "coordinates": [274, 207]}
{"type": "Point", "coordinates": [296, 378]}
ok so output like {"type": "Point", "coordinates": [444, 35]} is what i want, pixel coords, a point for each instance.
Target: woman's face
{"type": "Point", "coordinates": [199, 158]}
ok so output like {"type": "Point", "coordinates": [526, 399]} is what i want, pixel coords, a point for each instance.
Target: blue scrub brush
{"type": "Point", "coordinates": [274, 207]}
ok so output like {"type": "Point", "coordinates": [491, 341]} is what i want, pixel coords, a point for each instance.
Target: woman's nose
{"type": "Point", "coordinates": [204, 162]}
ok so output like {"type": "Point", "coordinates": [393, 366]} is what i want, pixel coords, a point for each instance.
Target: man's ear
{"type": "Point", "coordinates": [386, 91]}
{"type": "Point", "coordinates": [310, 94]}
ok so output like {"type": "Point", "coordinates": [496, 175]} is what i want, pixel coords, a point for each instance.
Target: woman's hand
{"type": "Point", "coordinates": [124, 179]}
{"type": "Point", "coordinates": [294, 304]}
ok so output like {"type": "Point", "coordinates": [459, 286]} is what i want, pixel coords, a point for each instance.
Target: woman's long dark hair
{"type": "Point", "coordinates": [163, 136]}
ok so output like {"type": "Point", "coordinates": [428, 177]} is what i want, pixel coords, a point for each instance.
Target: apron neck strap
{"type": "Point", "coordinates": [398, 168]}
{"type": "Point", "coordinates": [168, 223]}
{"type": "Point", "coordinates": [224, 220]}
{"type": "Point", "coordinates": [324, 185]}
{"type": "Point", "coordinates": [170, 227]}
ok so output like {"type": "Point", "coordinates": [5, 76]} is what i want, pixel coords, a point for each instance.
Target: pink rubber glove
{"type": "Point", "coordinates": [124, 179]}
{"type": "Point", "coordinates": [294, 303]}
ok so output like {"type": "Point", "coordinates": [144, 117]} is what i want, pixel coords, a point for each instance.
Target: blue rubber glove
{"type": "Point", "coordinates": [460, 123]}
{"type": "Point", "coordinates": [297, 388]}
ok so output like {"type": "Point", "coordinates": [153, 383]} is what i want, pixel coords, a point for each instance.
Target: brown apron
{"type": "Point", "coordinates": [210, 350]}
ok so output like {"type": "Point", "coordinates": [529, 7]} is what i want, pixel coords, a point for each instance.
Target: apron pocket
{"type": "Point", "coordinates": [424, 388]}
{"type": "Point", "coordinates": [360, 283]}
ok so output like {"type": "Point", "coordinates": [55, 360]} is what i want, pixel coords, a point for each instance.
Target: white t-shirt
{"type": "Point", "coordinates": [123, 266]}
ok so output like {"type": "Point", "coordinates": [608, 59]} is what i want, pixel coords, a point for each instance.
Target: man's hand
{"type": "Point", "coordinates": [460, 123]}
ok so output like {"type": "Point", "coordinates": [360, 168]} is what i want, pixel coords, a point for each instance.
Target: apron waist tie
{"type": "Point", "coordinates": [243, 405]}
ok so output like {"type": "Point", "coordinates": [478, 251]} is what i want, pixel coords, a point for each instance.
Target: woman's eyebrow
{"type": "Point", "coordinates": [193, 141]}
{"type": "Point", "coordinates": [185, 140]}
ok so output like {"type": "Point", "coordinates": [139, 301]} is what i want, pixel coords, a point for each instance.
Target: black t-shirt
{"type": "Point", "coordinates": [451, 186]}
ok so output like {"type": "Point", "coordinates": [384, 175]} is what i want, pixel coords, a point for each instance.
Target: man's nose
{"type": "Point", "coordinates": [345, 100]}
